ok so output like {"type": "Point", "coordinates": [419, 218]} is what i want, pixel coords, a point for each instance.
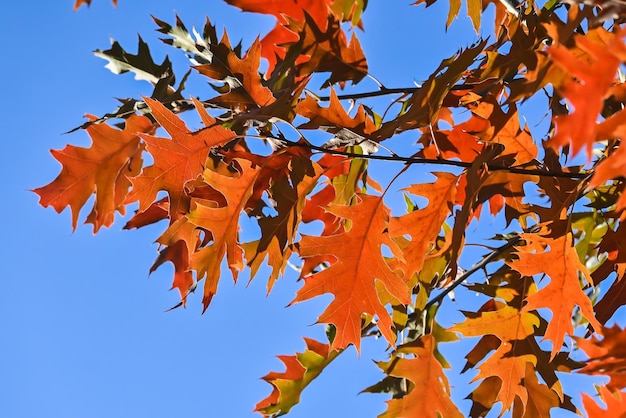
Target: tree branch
{"type": "Point", "coordinates": [482, 263]}
{"type": "Point", "coordinates": [385, 91]}
{"type": "Point", "coordinates": [462, 164]}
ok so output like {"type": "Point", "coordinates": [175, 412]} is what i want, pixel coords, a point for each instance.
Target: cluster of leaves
{"type": "Point", "coordinates": [548, 289]}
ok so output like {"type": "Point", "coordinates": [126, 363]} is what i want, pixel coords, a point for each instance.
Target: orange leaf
{"type": "Point", "coordinates": [324, 48]}
{"type": "Point", "coordinates": [510, 368]}
{"type": "Point", "coordinates": [245, 88]}
{"type": "Point", "coordinates": [289, 194]}
{"type": "Point", "coordinates": [102, 169]}
{"type": "Point", "coordinates": [592, 76]}
{"type": "Point", "coordinates": [429, 395]}
{"type": "Point", "coordinates": [615, 404]}
{"type": "Point", "coordinates": [223, 223]}
{"type": "Point", "coordinates": [351, 278]}
{"type": "Point", "coordinates": [541, 399]}
{"type": "Point", "coordinates": [180, 240]}
{"type": "Point", "coordinates": [176, 160]}
{"type": "Point", "coordinates": [563, 293]}
{"type": "Point", "coordinates": [424, 225]}
{"type": "Point", "coordinates": [606, 356]}
{"type": "Point", "coordinates": [334, 117]}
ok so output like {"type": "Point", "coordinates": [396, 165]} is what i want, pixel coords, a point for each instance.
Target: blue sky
{"type": "Point", "coordinates": [85, 333]}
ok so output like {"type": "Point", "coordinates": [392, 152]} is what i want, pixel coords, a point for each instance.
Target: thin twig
{"type": "Point", "coordinates": [462, 164]}
{"type": "Point", "coordinates": [386, 91]}
{"type": "Point", "coordinates": [496, 253]}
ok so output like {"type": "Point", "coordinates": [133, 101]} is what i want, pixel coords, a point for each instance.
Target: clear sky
{"type": "Point", "coordinates": [83, 325]}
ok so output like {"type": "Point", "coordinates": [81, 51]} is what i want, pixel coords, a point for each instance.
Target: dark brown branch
{"type": "Point", "coordinates": [385, 91]}
{"type": "Point", "coordinates": [462, 164]}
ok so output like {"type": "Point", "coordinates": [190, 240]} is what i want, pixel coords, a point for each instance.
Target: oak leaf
{"type": "Point", "coordinates": [358, 263]}
{"type": "Point", "coordinates": [301, 369]}
{"type": "Point", "coordinates": [103, 169]}
{"type": "Point", "coordinates": [563, 293]}
{"type": "Point", "coordinates": [141, 64]}
{"type": "Point", "coordinates": [592, 75]}
{"type": "Point", "coordinates": [223, 224]}
{"type": "Point", "coordinates": [429, 393]}
{"type": "Point", "coordinates": [510, 368]}
{"type": "Point", "coordinates": [424, 225]}
{"type": "Point", "coordinates": [278, 233]}
{"type": "Point", "coordinates": [326, 49]}
{"type": "Point", "coordinates": [243, 88]}
{"type": "Point", "coordinates": [334, 118]}
{"type": "Point", "coordinates": [506, 323]}
{"type": "Point", "coordinates": [541, 399]}
{"type": "Point", "coordinates": [606, 356]}
{"type": "Point", "coordinates": [615, 404]}
{"type": "Point", "coordinates": [177, 160]}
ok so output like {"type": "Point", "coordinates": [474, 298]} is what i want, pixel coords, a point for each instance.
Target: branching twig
{"type": "Point", "coordinates": [482, 263]}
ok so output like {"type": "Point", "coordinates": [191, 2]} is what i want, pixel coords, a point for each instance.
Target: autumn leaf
{"type": "Point", "coordinates": [301, 369]}
{"type": "Point", "coordinates": [606, 356]}
{"type": "Point", "coordinates": [176, 245]}
{"type": "Point", "coordinates": [292, 8]}
{"type": "Point", "coordinates": [103, 169]}
{"type": "Point", "coordinates": [223, 224]}
{"type": "Point", "coordinates": [176, 160]}
{"type": "Point", "coordinates": [429, 393]}
{"type": "Point", "coordinates": [615, 404]}
{"type": "Point", "coordinates": [79, 3]}
{"type": "Point", "coordinates": [509, 367]}
{"type": "Point", "coordinates": [359, 262]}
{"type": "Point", "coordinates": [541, 399]}
{"type": "Point", "coordinates": [507, 324]}
{"type": "Point", "coordinates": [308, 34]}
{"type": "Point", "coordinates": [141, 64]}
{"type": "Point", "coordinates": [334, 118]}
{"type": "Point", "coordinates": [288, 192]}
{"type": "Point", "coordinates": [424, 225]}
{"type": "Point", "coordinates": [243, 88]}
{"type": "Point", "coordinates": [594, 73]}
{"type": "Point", "coordinates": [326, 49]}
{"type": "Point", "coordinates": [563, 294]}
